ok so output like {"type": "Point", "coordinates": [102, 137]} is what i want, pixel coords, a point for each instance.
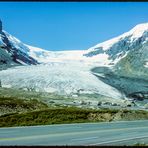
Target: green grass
{"type": "Point", "coordinates": [15, 105]}
{"type": "Point", "coordinates": [140, 144]}
{"type": "Point", "coordinates": [60, 116]}
{"type": "Point", "coordinates": [50, 116]}
{"type": "Point", "coordinates": [14, 102]}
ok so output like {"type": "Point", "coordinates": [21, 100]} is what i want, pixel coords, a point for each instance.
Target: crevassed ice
{"type": "Point", "coordinates": [59, 77]}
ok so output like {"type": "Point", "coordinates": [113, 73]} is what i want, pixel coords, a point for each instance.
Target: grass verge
{"type": "Point", "coordinates": [67, 115]}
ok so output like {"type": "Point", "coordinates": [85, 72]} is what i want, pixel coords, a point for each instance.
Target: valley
{"type": "Point", "coordinates": [106, 82]}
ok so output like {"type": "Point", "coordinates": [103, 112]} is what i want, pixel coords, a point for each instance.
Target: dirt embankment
{"type": "Point", "coordinates": [118, 115]}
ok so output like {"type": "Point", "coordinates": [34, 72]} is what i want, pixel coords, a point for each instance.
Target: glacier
{"type": "Point", "coordinates": [58, 77]}
{"type": "Point", "coordinates": [70, 72]}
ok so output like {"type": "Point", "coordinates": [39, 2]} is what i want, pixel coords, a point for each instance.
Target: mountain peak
{"type": "Point", "coordinates": [143, 26]}
{"type": "Point", "coordinates": [134, 33]}
{"type": "Point", "coordinates": [138, 30]}
{"type": "Point", "coordinates": [116, 48]}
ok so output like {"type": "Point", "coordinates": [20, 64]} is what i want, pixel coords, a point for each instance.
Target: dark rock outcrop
{"type": "Point", "coordinates": [139, 95]}
{"type": "Point", "coordinates": [1, 27]}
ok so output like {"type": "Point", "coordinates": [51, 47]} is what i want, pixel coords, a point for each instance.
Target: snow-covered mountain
{"type": "Point", "coordinates": [13, 51]}
{"type": "Point", "coordinates": [106, 53]}
{"type": "Point", "coordinates": [70, 72]}
{"type": "Point", "coordinates": [118, 47]}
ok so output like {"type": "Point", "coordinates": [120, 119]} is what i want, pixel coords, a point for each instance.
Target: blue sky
{"type": "Point", "coordinates": [70, 25]}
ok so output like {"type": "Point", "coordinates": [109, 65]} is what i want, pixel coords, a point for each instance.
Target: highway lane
{"type": "Point", "coordinates": [105, 133]}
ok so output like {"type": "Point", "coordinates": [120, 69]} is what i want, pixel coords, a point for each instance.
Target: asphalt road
{"type": "Point", "coordinates": [105, 133]}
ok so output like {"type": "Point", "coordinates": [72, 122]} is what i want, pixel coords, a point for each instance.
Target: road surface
{"type": "Point", "coordinates": [104, 133]}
